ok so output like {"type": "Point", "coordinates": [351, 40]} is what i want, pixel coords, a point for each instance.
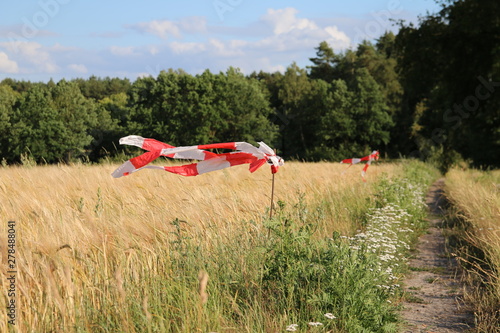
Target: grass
{"type": "Point", "coordinates": [420, 269]}
{"type": "Point", "coordinates": [410, 298]}
{"type": "Point", "coordinates": [157, 252]}
{"type": "Point", "coordinates": [435, 270]}
{"type": "Point", "coordinates": [432, 279]}
{"type": "Point", "coordinates": [474, 197]}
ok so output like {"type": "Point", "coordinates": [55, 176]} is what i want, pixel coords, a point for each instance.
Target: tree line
{"type": "Point", "coordinates": [431, 92]}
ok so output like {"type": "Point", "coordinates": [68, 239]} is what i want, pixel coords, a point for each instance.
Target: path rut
{"type": "Point", "coordinates": [435, 302]}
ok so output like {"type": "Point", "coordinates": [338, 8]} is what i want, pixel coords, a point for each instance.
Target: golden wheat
{"type": "Point", "coordinates": [478, 199]}
{"type": "Point", "coordinates": [81, 205]}
{"type": "Point", "coordinates": [78, 229]}
{"type": "Point", "coordinates": [476, 196]}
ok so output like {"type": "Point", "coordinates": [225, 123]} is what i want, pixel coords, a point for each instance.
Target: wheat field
{"type": "Point", "coordinates": [475, 196]}
{"type": "Point", "coordinates": [82, 236]}
{"type": "Point", "coordinates": [84, 205]}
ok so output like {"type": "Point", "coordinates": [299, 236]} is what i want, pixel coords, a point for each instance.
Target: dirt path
{"type": "Point", "coordinates": [434, 290]}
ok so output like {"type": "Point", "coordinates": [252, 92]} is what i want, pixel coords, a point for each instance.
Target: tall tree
{"type": "Point", "coordinates": [324, 63]}
{"type": "Point", "coordinates": [183, 109]}
{"type": "Point", "coordinates": [37, 129]}
{"type": "Point", "coordinates": [8, 99]}
{"type": "Point", "coordinates": [294, 92]}
{"type": "Point", "coordinates": [244, 104]}
{"type": "Point", "coordinates": [337, 128]}
{"type": "Point", "coordinates": [99, 88]}
{"type": "Point", "coordinates": [53, 124]}
{"type": "Point", "coordinates": [369, 111]}
{"type": "Point", "coordinates": [450, 64]}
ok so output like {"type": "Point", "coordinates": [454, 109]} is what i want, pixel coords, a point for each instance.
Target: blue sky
{"type": "Point", "coordinates": [45, 39]}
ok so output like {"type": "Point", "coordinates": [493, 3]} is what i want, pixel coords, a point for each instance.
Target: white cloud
{"type": "Point", "coordinates": [285, 21]}
{"type": "Point", "coordinates": [292, 33]}
{"type": "Point", "coordinates": [34, 53]}
{"type": "Point", "coordinates": [61, 48]}
{"type": "Point", "coordinates": [286, 33]}
{"type": "Point", "coordinates": [187, 47]}
{"type": "Point", "coordinates": [144, 74]}
{"type": "Point", "coordinates": [153, 50]}
{"type": "Point", "coordinates": [269, 43]}
{"type": "Point", "coordinates": [193, 24]}
{"type": "Point", "coordinates": [230, 48]}
{"type": "Point", "coordinates": [283, 37]}
{"type": "Point", "coordinates": [7, 65]}
{"type": "Point", "coordinates": [265, 64]}
{"type": "Point", "coordinates": [123, 51]}
{"type": "Point", "coordinates": [166, 29]}
{"type": "Point", "coordinates": [78, 68]}
{"type": "Point", "coordinates": [108, 34]}
{"type": "Point", "coordinates": [20, 47]}
{"type": "Point", "coordinates": [337, 37]}
{"type": "Point", "coordinates": [22, 31]}
{"type": "Point", "coordinates": [162, 29]}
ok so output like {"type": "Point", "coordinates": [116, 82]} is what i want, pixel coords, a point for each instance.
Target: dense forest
{"type": "Point", "coordinates": [431, 92]}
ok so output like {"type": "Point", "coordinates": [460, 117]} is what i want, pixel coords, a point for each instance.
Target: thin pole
{"type": "Point", "coordinates": [272, 200]}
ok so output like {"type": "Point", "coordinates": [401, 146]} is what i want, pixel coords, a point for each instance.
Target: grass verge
{"type": "Point", "coordinates": [474, 221]}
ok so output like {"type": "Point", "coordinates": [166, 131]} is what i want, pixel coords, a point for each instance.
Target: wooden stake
{"type": "Point", "coordinates": [272, 195]}
{"type": "Point", "coordinates": [272, 200]}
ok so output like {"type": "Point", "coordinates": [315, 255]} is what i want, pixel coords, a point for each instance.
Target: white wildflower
{"type": "Point", "coordinates": [315, 323]}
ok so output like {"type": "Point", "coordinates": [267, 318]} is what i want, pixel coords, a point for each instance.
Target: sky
{"type": "Point", "coordinates": [67, 39]}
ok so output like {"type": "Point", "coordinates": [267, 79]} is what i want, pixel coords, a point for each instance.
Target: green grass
{"type": "Point", "coordinates": [411, 298]}
{"type": "Point", "coordinates": [435, 270]}
{"type": "Point", "coordinates": [263, 276]}
{"type": "Point", "coordinates": [431, 279]}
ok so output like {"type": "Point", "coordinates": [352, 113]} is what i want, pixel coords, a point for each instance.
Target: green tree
{"type": "Point", "coordinates": [294, 93]}
{"type": "Point", "coordinates": [244, 108]}
{"type": "Point", "coordinates": [8, 99]}
{"type": "Point", "coordinates": [54, 124]}
{"type": "Point", "coordinates": [37, 129]}
{"type": "Point", "coordinates": [78, 116]}
{"type": "Point", "coordinates": [98, 88]}
{"type": "Point", "coordinates": [337, 128]}
{"type": "Point", "coordinates": [355, 119]}
{"type": "Point", "coordinates": [117, 106]}
{"type": "Point", "coordinates": [447, 64]}
{"type": "Point", "coordinates": [175, 107]}
{"type": "Point", "coordinates": [183, 109]}
{"type": "Point", "coordinates": [17, 86]}
{"type": "Point", "coordinates": [365, 96]}
{"type": "Point", "coordinates": [369, 111]}
{"type": "Point", "coordinates": [380, 60]}
{"type": "Point", "coordinates": [324, 63]}
{"type": "Point", "coordinates": [142, 103]}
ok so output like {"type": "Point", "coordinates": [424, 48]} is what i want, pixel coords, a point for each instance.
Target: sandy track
{"type": "Point", "coordinates": [435, 301]}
